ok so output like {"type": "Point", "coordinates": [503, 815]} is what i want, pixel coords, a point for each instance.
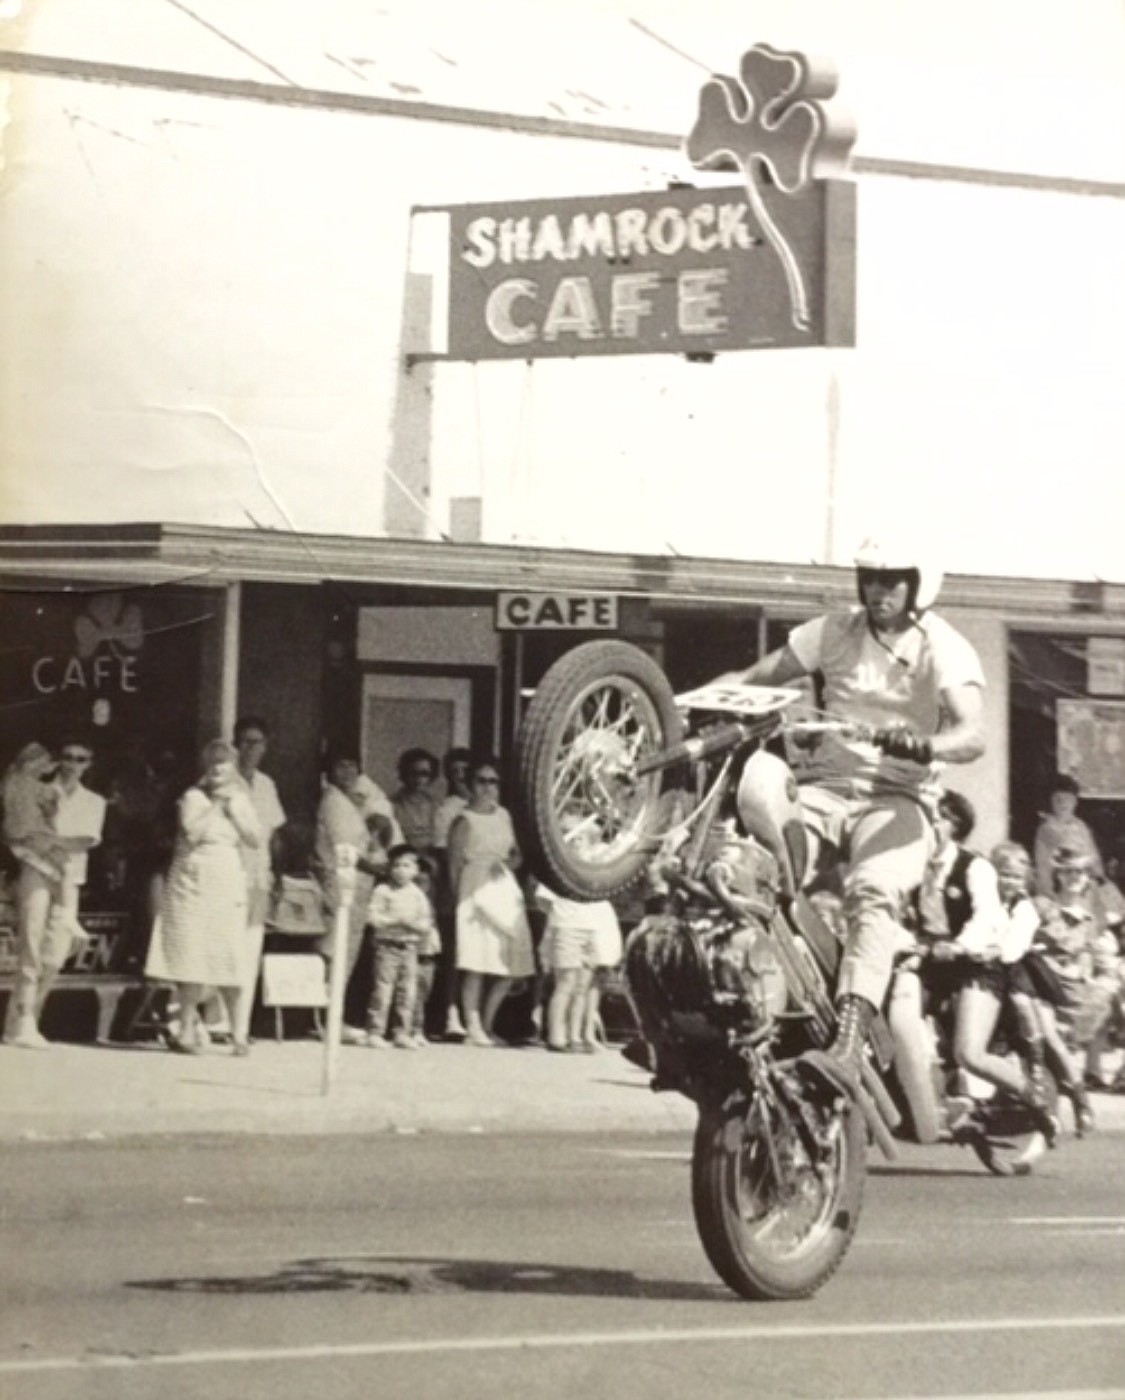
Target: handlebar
{"type": "Point", "coordinates": [702, 745]}
{"type": "Point", "coordinates": [847, 729]}
{"type": "Point", "coordinates": [718, 738]}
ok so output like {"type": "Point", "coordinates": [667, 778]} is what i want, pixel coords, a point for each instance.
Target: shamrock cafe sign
{"type": "Point", "coordinates": [766, 263]}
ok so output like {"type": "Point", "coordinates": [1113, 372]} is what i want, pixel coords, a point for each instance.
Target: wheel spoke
{"type": "Point", "coordinates": [786, 1217]}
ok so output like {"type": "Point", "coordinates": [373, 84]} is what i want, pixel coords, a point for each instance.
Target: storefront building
{"type": "Point", "coordinates": [382, 644]}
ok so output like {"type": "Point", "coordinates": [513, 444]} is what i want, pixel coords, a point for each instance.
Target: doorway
{"type": "Point", "coordinates": [411, 711]}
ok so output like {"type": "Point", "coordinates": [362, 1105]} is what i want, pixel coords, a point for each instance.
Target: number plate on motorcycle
{"type": "Point", "coordinates": [739, 698]}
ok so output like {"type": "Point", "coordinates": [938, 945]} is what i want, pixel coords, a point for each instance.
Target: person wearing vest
{"type": "Point", "coordinates": [912, 686]}
{"type": "Point", "coordinates": [958, 903]}
{"type": "Point", "coordinates": [958, 899]}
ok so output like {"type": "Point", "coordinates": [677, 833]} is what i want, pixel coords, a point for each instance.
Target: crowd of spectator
{"type": "Point", "coordinates": [443, 925]}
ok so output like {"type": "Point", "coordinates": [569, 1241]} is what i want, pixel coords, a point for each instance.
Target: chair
{"type": "Point", "coordinates": [294, 971]}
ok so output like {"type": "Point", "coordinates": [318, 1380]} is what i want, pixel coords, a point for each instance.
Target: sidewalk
{"type": "Point", "coordinates": [76, 1091]}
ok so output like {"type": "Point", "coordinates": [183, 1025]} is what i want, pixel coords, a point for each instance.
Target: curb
{"type": "Point", "coordinates": [101, 1093]}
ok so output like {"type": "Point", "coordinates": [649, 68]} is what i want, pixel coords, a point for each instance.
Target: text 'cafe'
{"type": "Point", "coordinates": [537, 612]}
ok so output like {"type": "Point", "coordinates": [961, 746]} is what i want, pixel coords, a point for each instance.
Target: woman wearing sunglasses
{"type": "Point", "coordinates": [493, 936]}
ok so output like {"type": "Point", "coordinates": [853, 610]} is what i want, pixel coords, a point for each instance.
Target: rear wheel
{"type": "Point", "coordinates": [774, 1222]}
{"type": "Point", "coordinates": [1009, 1143]}
{"type": "Point", "coordinates": [588, 823]}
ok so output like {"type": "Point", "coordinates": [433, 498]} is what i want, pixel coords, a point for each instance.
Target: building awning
{"type": "Point", "coordinates": [89, 556]}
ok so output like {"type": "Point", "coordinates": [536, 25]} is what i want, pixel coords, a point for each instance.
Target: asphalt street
{"type": "Point", "coordinates": [480, 1264]}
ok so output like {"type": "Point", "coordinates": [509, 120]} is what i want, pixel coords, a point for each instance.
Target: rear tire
{"type": "Point", "coordinates": [588, 826]}
{"type": "Point", "coordinates": [1010, 1144]}
{"type": "Point", "coordinates": [741, 1220]}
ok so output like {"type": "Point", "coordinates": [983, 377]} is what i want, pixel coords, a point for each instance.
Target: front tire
{"type": "Point", "coordinates": [767, 1240]}
{"type": "Point", "coordinates": [588, 824]}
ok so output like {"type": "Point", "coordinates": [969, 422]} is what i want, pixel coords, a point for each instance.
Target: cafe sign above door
{"type": "Point", "coordinates": [556, 612]}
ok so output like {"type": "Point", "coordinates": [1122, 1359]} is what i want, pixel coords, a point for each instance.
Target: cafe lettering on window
{"type": "Point", "coordinates": [768, 263]}
{"type": "Point", "coordinates": [128, 663]}
{"type": "Point", "coordinates": [108, 636]}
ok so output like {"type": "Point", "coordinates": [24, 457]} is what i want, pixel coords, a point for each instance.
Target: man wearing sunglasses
{"type": "Point", "coordinates": [78, 822]}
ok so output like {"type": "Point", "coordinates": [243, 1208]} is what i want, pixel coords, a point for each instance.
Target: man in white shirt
{"type": "Point", "coordinates": [913, 686]}
{"type": "Point", "coordinates": [78, 821]}
{"type": "Point", "coordinates": [251, 739]}
{"type": "Point", "coordinates": [960, 896]}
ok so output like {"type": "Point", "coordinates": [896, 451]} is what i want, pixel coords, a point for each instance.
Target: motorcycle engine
{"type": "Point", "coordinates": [747, 973]}
{"type": "Point", "coordinates": [694, 976]}
{"type": "Point", "coordinates": [744, 877]}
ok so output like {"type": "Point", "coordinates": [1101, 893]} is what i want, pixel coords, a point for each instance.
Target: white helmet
{"type": "Point", "coordinates": [876, 558]}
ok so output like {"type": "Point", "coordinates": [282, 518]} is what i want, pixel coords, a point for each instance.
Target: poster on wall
{"type": "Point", "coordinates": [1105, 665]}
{"type": "Point", "coordinates": [1091, 745]}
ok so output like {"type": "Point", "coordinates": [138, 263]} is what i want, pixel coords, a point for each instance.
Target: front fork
{"type": "Point", "coordinates": [789, 1122]}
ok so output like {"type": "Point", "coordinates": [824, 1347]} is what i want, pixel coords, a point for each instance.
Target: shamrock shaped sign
{"type": "Point", "coordinates": [773, 121]}
{"type": "Point", "coordinates": [112, 621]}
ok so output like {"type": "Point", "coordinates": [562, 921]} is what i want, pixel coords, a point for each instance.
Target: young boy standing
{"type": "Point", "coordinates": [401, 918]}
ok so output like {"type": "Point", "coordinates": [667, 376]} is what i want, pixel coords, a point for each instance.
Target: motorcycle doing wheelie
{"type": "Point", "coordinates": [732, 979]}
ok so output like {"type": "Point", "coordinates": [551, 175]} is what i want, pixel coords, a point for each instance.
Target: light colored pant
{"type": "Point", "coordinates": [46, 923]}
{"type": "Point", "coordinates": [427, 971]}
{"type": "Point", "coordinates": [396, 988]}
{"type": "Point", "coordinates": [884, 842]}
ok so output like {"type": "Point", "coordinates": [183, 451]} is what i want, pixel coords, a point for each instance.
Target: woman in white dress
{"type": "Point", "coordinates": [199, 940]}
{"type": "Point", "coordinates": [493, 936]}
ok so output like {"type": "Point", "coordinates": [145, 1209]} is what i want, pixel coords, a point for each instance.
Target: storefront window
{"type": "Point", "coordinates": [1068, 715]}
{"type": "Point", "coordinates": [126, 670]}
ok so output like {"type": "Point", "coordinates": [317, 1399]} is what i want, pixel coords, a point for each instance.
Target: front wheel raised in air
{"type": "Point", "coordinates": [588, 823]}
{"type": "Point", "coordinates": [774, 1218]}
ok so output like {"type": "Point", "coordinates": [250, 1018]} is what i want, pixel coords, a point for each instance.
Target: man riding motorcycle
{"type": "Point", "coordinates": [914, 684]}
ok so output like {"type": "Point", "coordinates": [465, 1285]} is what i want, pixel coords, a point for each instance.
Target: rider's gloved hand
{"type": "Point", "coordinates": [901, 742]}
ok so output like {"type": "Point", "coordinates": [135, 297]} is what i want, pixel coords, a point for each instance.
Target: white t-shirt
{"type": "Point", "coordinates": [80, 813]}
{"type": "Point", "coordinates": [897, 680]}
{"type": "Point", "coordinates": [271, 815]}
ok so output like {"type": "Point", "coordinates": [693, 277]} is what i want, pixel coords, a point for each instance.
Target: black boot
{"type": "Point", "coordinates": [1036, 1099]}
{"type": "Point", "coordinates": [841, 1064]}
{"type": "Point", "coordinates": [1079, 1097]}
{"type": "Point", "coordinates": [1036, 1065]}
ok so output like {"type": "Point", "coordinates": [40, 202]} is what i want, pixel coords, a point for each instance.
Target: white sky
{"type": "Point", "coordinates": [1035, 85]}
{"type": "Point", "coordinates": [179, 332]}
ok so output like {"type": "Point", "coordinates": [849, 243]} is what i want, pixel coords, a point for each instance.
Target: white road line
{"type": "Point", "coordinates": [1116, 1394]}
{"type": "Point", "coordinates": [558, 1341]}
{"type": "Point", "coordinates": [642, 1154]}
{"type": "Point", "coordinates": [1066, 1220]}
